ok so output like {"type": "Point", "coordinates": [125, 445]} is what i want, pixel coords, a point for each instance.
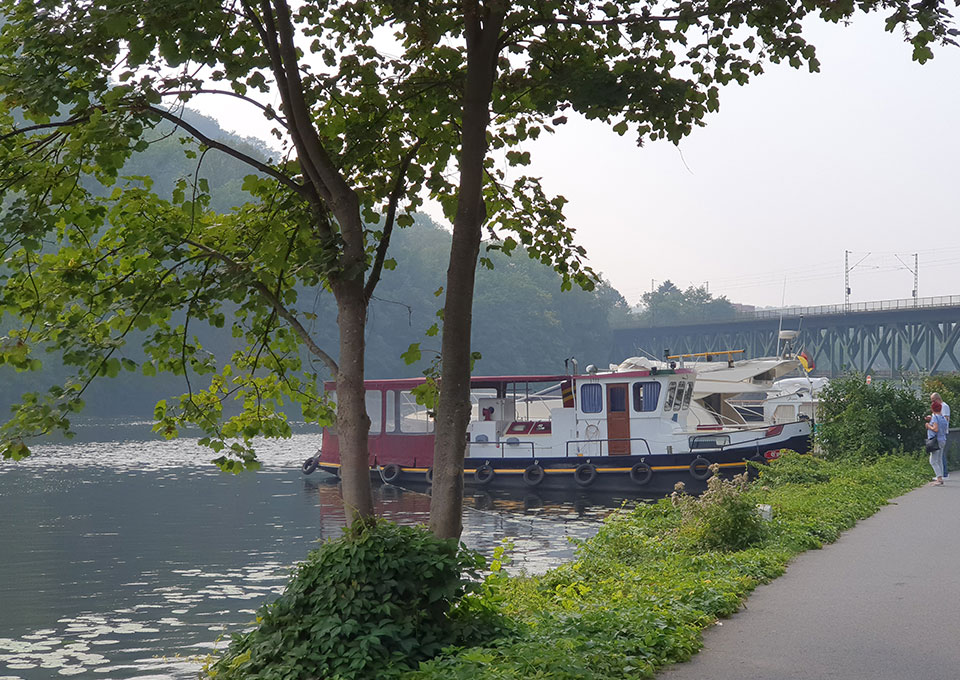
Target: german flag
{"type": "Point", "coordinates": [806, 362]}
{"type": "Point", "coordinates": [566, 390]}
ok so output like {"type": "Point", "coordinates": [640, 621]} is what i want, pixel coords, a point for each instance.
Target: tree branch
{"type": "Point", "coordinates": [395, 195]}
{"type": "Point", "coordinates": [44, 126]}
{"type": "Point", "coordinates": [268, 34]}
{"type": "Point", "coordinates": [328, 174]}
{"type": "Point", "coordinates": [230, 93]}
{"type": "Point", "coordinates": [302, 190]}
{"type": "Point", "coordinates": [274, 302]}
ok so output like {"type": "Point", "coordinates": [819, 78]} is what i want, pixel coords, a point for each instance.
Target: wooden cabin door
{"type": "Point", "coordinates": [618, 419]}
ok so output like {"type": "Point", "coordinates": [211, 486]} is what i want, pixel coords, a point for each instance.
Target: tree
{"type": "Point", "coordinates": [380, 102]}
{"type": "Point", "coordinates": [651, 68]}
{"type": "Point", "coordinates": [92, 256]}
{"type": "Point", "coordinates": [97, 83]}
{"type": "Point", "coordinates": [669, 305]}
{"type": "Point", "coordinates": [863, 419]}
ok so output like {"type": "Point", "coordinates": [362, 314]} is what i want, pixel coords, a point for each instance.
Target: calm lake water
{"type": "Point", "coordinates": [124, 558]}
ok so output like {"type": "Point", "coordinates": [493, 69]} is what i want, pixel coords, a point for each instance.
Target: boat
{"type": "Point", "coordinates": [625, 430]}
{"type": "Point", "coordinates": [724, 382]}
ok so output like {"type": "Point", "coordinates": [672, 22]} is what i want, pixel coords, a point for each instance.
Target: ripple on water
{"type": "Point", "coordinates": [119, 577]}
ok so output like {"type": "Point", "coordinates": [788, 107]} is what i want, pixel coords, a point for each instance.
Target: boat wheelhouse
{"type": "Point", "coordinates": [621, 431]}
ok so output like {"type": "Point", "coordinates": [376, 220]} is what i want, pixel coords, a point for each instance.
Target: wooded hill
{"type": "Point", "coordinates": [523, 322]}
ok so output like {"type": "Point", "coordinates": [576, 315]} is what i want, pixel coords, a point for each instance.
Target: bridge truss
{"type": "Point", "coordinates": [924, 340]}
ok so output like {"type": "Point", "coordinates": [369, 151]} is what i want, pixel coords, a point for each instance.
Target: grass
{"type": "Point", "coordinates": [638, 594]}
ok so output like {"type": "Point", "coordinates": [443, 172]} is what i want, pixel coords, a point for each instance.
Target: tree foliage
{"type": "Point", "coordinates": [868, 420]}
{"type": "Point", "coordinates": [669, 305]}
{"type": "Point", "coordinates": [947, 386]}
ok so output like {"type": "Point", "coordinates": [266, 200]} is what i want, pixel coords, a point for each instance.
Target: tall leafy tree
{"type": "Point", "coordinates": [366, 101]}
{"type": "Point", "coordinates": [378, 103]}
{"type": "Point", "coordinates": [652, 68]}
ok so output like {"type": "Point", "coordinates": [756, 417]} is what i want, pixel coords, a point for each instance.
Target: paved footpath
{"type": "Point", "coordinates": [882, 603]}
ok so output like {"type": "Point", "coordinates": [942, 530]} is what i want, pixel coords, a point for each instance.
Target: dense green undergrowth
{"type": "Point", "coordinates": [389, 602]}
{"type": "Point", "coordinates": [639, 593]}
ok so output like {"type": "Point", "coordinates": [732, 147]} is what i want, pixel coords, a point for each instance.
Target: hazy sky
{"type": "Point", "coordinates": [795, 169]}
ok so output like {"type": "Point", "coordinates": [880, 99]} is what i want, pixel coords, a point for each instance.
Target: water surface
{"type": "Point", "coordinates": [131, 559]}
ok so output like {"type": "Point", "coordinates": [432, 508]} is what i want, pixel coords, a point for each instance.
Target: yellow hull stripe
{"type": "Point", "coordinates": [518, 471]}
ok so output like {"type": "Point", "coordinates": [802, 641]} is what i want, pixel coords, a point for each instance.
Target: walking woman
{"type": "Point", "coordinates": [936, 438]}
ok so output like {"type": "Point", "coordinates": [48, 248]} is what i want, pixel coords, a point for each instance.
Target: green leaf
{"type": "Point", "coordinates": [413, 354]}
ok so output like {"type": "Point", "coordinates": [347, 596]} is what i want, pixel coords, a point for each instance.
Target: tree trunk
{"type": "Point", "coordinates": [453, 408]}
{"type": "Point", "coordinates": [353, 423]}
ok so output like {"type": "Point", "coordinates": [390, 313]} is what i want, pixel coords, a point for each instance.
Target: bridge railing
{"type": "Point", "coordinates": [854, 307]}
{"type": "Point", "coordinates": [821, 310]}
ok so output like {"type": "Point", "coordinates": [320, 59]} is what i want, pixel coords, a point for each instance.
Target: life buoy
{"type": "Point", "coordinates": [484, 474]}
{"type": "Point", "coordinates": [533, 475]}
{"type": "Point", "coordinates": [585, 474]}
{"type": "Point", "coordinates": [700, 468]}
{"type": "Point", "coordinates": [309, 465]}
{"type": "Point", "coordinates": [641, 474]}
{"type": "Point", "coordinates": [390, 472]}
{"type": "Point", "coordinates": [428, 475]}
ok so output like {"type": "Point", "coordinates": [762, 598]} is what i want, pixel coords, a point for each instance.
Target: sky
{"type": "Point", "coordinates": [794, 171]}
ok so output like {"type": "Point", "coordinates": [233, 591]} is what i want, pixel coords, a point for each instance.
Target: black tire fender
{"type": "Point", "coordinates": [484, 474]}
{"type": "Point", "coordinates": [309, 465]}
{"type": "Point", "coordinates": [390, 473]}
{"type": "Point", "coordinates": [533, 475]}
{"type": "Point", "coordinates": [641, 474]}
{"type": "Point", "coordinates": [700, 468]}
{"type": "Point", "coordinates": [585, 474]}
{"type": "Point", "coordinates": [428, 475]}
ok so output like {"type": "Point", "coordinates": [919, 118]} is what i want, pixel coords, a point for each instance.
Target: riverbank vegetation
{"type": "Point", "coordinates": [639, 593]}
{"type": "Point", "coordinates": [635, 598]}
{"type": "Point", "coordinates": [861, 419]}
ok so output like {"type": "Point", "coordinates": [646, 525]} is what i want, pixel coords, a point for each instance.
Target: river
{"type": "Point", "coordinates": [125, 557]}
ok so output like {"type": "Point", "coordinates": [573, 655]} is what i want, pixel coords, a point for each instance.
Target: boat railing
{"type": "Point", "coordinates": [601, 442]}
{"type": "Point", "coordinates": [502, 445]}
{"type": "Point", "coordinates": [735, 444]}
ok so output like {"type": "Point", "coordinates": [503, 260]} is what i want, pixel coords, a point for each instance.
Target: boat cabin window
{"type": "Point", "coordinates": [390, 420]}
{"type": "Point", "coordinates": [784, 414]}
{"type": "Point", "coordinates": [414, 417]}
{"type": "Point", "coordinates": [646, 395]}
{"type": "Point", "coordinates": [671, 393]}
{"type": "Point", "coordinates": [683, 390]}
{"type": "Point", "coordinates": [374, 400]}
{"type": "Point", "coordinates": [591, 398]}
{"type": "Point", "coordinates": [678, 395]}
{"type": "Point", "coordinates": [617, 399]}
{"type": "Point", "coordinates": [709, 441]}
{"type": "Point", "coordinates": [688, 395]}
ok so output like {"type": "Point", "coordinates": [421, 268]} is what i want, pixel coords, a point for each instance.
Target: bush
{"type": "Point", "coordinates": [794, 468]}
{"type": "Point", "coordinates": [723, 517]}
{"type": "Point", "coordinates": [374, 601]}
{"type": "Point", "coordinates": [865, 421]}
{"type": "Point", "coordinates": [947, 386]}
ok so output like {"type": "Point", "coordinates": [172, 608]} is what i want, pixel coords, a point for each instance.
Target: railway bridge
{"type": "Point", "coordinates": [884, 339]}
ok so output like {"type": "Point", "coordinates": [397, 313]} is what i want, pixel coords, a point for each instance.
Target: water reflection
{"type": "Point", "coordinates": [130, 559]}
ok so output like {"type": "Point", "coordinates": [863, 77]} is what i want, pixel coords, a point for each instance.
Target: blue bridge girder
{"type": "Point", "coordinates": [883, 339]}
